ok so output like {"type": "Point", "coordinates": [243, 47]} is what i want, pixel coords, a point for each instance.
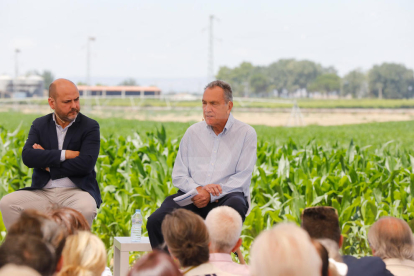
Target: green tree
{"type": "Point", "coordinates": [326, 83]}
{"type": "Point", "coordinates": [391, 81]}
{"type": "Point", "coordinates": [285, 74]}
{"type": "Point", "coordinates": [238, 78]}
{"type": "Point", "coordinates": [354, 83]}
{"type": "Point", "coordinates": [129, 82]}
{"type": "Point", "coordinates": [259, 84]}
{"type": "Point", "coordinates": [48, 78]}
{"type": "Point", "coordinates": [81, 83]}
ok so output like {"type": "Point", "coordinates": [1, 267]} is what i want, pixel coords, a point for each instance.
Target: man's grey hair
{"type": "Point", "coordinates": [228, 93]}
{"type": "Point", "coordinates": [391, 237]}
{"type": "Point", "coordinates": [286, 249]}
{"type": "Point", "coordinates": [224, 226]}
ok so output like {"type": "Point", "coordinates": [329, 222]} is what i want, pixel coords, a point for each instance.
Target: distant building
{"type": "Point", "coordinates": [119, 91]}
{"type": "Point", "coordinates": [21, 87]}
{"type": "Point", "coordinates": [184, 97]}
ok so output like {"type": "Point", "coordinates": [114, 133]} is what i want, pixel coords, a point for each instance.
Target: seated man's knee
{"type": "Point", "coordinates": [87, 208]}
{"type": "Point", "coordinates": [152, 221]}
{"type": "Point", "coordinates": [6, 202]}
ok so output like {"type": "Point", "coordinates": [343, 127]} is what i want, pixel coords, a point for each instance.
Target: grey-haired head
{"type": "Point", "coordinates": [228, 93]}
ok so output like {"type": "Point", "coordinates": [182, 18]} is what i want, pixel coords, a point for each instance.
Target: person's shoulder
{"type": "Point", "coordinates": [243, 128]}
{"type": "Point", "coordinates": [197, 127]}
{"type": "Point", "coordinates": [43, 119]}
{"type": "Point", "coordinates": [370, 265]}
{"type": "Point", "coordinates": [83, 119]}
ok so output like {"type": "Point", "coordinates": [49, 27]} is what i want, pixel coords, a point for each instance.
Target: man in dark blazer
{"type": "Point", "coordinates": [62, 148]}
{"type": "Point", "coordinates": [322, 223]}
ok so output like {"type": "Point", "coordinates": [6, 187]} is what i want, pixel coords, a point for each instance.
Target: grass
{"type": "Point", "coordinates": [296, 168]}
{"type": "Point", "coordinates": [372, 134]}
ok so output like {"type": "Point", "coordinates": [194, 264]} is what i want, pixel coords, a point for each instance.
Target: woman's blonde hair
{"type": "Point", "coordinates": [84, 254]}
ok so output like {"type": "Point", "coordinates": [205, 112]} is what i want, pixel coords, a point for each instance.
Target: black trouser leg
{"type": "Point", "coordinates": [234, 200]}
{"type": "Point", "coordinates": [155, 220]}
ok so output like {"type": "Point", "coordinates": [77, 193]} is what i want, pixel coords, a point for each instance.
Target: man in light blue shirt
{"type": "Point", "coordinates": [216, 157]}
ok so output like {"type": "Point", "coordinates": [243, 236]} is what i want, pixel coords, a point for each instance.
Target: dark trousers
{"type": "Point", "coordinates": [235, 200]}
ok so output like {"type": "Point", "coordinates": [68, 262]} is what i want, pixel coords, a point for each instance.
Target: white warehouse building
{"type": "Point", "coordinates": [21, 87]}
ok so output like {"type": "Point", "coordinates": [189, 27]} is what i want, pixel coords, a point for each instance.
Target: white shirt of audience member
{"type": "Point", "coordinates": [400, 267]}
{"type": "Point", "coordinates": [206, 269]}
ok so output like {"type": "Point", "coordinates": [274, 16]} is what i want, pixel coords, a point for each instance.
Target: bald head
{"type": "Point", "coordinates": [60, 85]}
{"type": "Point", "coordinates": [391, 237]}
{"type": "Point", "coordinates": [64, 100]}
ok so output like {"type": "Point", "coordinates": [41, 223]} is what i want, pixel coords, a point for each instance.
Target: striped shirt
{"type": "Point", "coordinates": [227, 159]}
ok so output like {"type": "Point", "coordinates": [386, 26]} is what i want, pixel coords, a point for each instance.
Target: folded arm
{"type": "Point", "coordinates": [85, 162]}
{"type": "Point", "coordinates": [37, 158]}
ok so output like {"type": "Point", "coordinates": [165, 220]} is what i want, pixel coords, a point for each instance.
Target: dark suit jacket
{"type": "Point", "coordinates": [365, 266]}
{"type": "Point", "coordinates": [83, 135]}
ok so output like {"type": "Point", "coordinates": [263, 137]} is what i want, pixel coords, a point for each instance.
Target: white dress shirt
{"type": "Point", "coordinates": [227, 159]}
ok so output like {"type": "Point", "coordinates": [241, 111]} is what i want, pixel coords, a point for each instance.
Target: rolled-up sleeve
{"type": "Point", "coordinates": [240, 181]}
{"type": "Point", "coordinates": [181, 175]}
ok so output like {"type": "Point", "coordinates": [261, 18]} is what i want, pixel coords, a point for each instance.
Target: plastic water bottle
{"type": "Point", "coordinates": [136, 220]}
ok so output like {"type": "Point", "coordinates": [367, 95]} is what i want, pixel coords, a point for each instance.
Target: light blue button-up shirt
{"type": "Point", "coordinates": [227, 159]}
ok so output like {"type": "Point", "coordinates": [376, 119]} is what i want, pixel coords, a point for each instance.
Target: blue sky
{"type": "Point", "coordinates": [169, 39]}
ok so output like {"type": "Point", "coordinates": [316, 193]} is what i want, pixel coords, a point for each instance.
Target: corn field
{"type": "Point", "coordinates": [362, 183]}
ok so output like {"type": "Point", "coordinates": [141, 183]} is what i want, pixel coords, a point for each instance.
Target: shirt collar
{"type": "Point", "coordinates": [220, 257]}
{"type": "Point", "coordinates": [229, 124]}
{"type": "Point", "coordinates": [71, 123]}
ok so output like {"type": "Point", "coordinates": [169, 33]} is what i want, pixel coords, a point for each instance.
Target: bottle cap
{"type": "Point", "coordinates": [137, 210]}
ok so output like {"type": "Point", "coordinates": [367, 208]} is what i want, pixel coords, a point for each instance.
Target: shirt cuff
{"type": "Point", "coordinates": [214, 198]}
{"type": "Point", "coordinates": [62, 155]}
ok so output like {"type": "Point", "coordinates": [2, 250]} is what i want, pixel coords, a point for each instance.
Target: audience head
{"type": "Point", "coordinates": [187, 237]}
{"type": "Point", "coordinates": [84, 254]}
{"type": "Point", "coordinates": [36, 223]}
{"type": "Point", "coordinates": [30, 251]}
{"type": "Point", "coordinates": [322, 223]}
{"type": "Point", "coordinates": [156, 263]}
{"type": "Point", "coordinates": [391, 237]}
{"type": "Point", "coordinates": [69, 219]}
{"type": "Point", "coordinates": [284, 250]}
{"type": "Point", "coordinates": [224, 226]}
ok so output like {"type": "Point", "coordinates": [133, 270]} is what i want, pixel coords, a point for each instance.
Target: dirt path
{"type": "Point", "coordinates": [282, 118]}
{"type": "Point", "coordinates": [269, 117]}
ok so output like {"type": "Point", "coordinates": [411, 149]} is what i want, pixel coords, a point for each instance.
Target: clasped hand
{"type": "Point", "coordinates": [204, 194]}
{"type": "Point", "coordinates": [69, 154]}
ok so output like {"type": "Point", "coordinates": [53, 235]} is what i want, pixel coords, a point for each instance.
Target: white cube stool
{"type": "Point", "coordinates": [122, 247]}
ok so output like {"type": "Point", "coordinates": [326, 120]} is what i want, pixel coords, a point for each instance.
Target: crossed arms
{"type": "Point", "coordinates": [77, 163]}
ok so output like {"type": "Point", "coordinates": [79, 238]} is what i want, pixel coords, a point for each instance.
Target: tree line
{"type": "Point", "coordinates": [286, 77]}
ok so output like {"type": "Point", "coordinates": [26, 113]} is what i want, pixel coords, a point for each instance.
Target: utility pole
{"type": "Point", "coordinates": [88, 62]}
{"type": "Point", "coordinates": [16, 62]}
{"type": "Point", "coordinates": [210, 76]}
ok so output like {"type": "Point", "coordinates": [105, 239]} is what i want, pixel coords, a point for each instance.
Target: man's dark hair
{"type": "Point", "coordinates": [38, 224]}
{"type": "Point", "coordinates": [321, 223]}
{"type": "Point", "coordinates": [228, 93]}
{"type": "Point", "coordinates": [28, 250]}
